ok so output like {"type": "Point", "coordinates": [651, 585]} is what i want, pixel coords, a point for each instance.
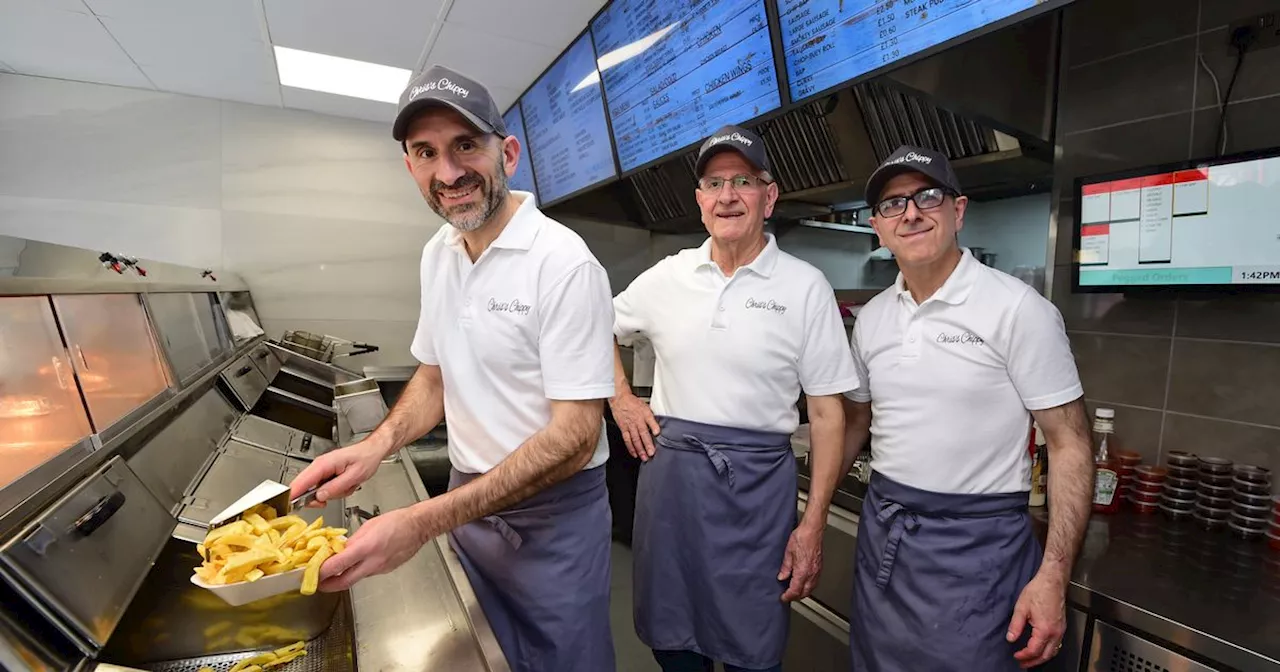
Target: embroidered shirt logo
{"type": "Point", "coordinates": [766, 304]}
{"type": "Point", "coordinates": [513, 306]}
{"type": "Point", "coordinates": [967, 338]}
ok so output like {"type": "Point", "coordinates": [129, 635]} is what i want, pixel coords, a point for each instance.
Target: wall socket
{"type": "Point", "coordinates": [1266, 28]}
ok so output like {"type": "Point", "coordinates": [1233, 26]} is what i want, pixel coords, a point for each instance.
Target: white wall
{"type": "Point", "coordinates": [623, 250]}
{"type": "Point", "coordinates": [1015, 229]}
{"type": "Point", "coordinates": [316, 213]}
{"type": "Point", "coordinates": [10, 251]}
{"type": "Point", "coordinates": [840, 255]}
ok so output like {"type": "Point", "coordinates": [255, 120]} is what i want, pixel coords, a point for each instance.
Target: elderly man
{"type": "Point", "coordinates": [739, 329]}
{"type": "Point", "coordinates": [515, 351]}
{"type": "Point", "coordinates": [956, 358]}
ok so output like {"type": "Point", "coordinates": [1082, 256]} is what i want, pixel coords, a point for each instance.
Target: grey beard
{"type": "Point", "coordinates": [474, 218]}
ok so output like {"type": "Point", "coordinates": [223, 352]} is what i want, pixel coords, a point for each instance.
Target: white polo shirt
{"type": "Point", "coordinates": [737, 351]}
{"type": "Point", "coordinates": [527, 323]}
{"type": "Point", "coordinates": [951, 381]}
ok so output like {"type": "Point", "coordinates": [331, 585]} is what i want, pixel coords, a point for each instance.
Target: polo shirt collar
{"type": "Point", "coordinates": [957, 287]}
{"type": "Point", "coordinates": [762, 265]}
{"type": "Point", "coordinates": [518, 234]}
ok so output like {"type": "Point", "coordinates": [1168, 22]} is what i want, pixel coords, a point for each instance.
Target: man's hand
{"type": "Point", "coordinates": [382, 544]}
{"type": "Point", "coordinates": [635, 419]}
{"type": "Point", "coordinates": [802, 562]}
{"type": "Point", "coordinates": [1043, 606]}
{"type": "Point", "coordinates": [341, 471]}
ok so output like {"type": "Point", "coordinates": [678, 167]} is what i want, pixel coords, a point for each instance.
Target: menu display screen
{"type": "Point", "coordinates": [1209, 224]}
{"type": "Point", "coordinates": [523, 179]}
{"type": "Point", "coordinates": [675, 72]}
{"type": "Point", "coordinates": [565, 120]}
{"type": "Point", "coordinates": [829, 42]}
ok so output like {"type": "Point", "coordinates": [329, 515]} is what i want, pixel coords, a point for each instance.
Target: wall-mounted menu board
{"type": "Point", "coordinates": [565, 120]}
{"type": "Point", "coordinates": [523, 179]}
{"type": "Point", "coordinates": [829, 42]}
{"type": "Point", "coordinates": [674, 72]}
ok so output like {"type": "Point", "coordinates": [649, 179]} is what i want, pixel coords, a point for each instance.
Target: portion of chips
{"type": "Point", "coordinates": [262, 544]}
{"type": "Point", "coordinates": [268, 660]}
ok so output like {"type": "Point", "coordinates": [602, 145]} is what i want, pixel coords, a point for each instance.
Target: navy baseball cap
{"type": "Point", "coordinates": [439, 85]}
{"type": "Point", "coordinates": [908, 159]}
{"type": "Point", "coordinates": [738, 139]}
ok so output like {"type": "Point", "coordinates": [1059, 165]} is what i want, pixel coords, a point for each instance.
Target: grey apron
{"type": "Point", "coordinates": [714, 509]}
{"type": "Point", "coordinates": [541, 573]}
{"type": "Point", "coordinates": [936, 579]}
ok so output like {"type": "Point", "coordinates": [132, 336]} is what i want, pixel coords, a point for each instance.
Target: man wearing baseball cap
{"type": "Point", "coordinates": [740, 330]}
{"type": "Point", "coordinates": [955, 360]}
{"type": "Point", "coordinates": [514, 349]}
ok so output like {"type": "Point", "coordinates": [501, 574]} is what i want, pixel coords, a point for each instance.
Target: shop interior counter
{"type": "Point", "coordinates": [1143, 586]}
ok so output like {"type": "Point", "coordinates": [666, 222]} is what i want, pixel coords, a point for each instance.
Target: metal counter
{"type": "Point", "coordinates": [424, 615]}
{"type": "Point", "coordinates": [1205, 594]}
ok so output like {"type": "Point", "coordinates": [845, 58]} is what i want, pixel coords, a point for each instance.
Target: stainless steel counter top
{"type": "Point", "coordinates": [1207, 592]}
{"type": "Point", "coordinates": [424, 615]}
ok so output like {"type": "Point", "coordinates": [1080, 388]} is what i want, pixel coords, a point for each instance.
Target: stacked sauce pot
{"type": "Point", "coordinates": [1273, 535]}
{"type": "Point", "coordinates": [1148, 488]}
{"type": "Point", "coordinates": [1178, 501]}
{"type": "Point", "coordinates": [1251, 515]}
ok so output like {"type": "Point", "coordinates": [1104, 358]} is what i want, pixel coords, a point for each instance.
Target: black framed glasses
{"type": "Point", "coordinates": [925, 199]}
{"type": "Point", "coordinates": [739, 183]}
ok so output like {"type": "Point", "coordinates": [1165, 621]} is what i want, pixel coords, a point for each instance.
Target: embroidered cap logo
{"type": "Point", "coordinates": [443, 84]}
{"type": "Point", "coordinates": [912, 157]}
{"type": "Point", "coordinates": [735, 137]}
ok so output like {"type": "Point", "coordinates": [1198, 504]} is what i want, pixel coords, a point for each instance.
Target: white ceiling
{"type": "Point", "coordinates": [222, 48]}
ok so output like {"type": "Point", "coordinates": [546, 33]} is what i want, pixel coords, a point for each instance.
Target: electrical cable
{"type": "Point", "coordinates": [1217, 97]}
{"type": "Point", "coordinates": [1220, 146]}
{"type": "Point", "coordinates": [1242, 38]}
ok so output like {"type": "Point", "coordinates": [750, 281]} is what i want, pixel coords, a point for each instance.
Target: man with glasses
{"type": "Point", "coordinates": [515, 351]}
{"type": "Point", "coordinates": [955, 360]}
{"type": "Point", "coordinates": [740, 329]}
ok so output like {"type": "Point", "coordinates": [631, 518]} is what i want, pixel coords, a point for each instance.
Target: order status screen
{"type": "Point", "coordinates": [1210, 225]}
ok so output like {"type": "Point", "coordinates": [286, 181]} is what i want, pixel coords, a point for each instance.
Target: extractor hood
{"type": "Point", "coordinates": [996, 130]}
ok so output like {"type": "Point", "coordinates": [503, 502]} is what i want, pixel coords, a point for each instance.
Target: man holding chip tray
{"type": "Point", "coordinates": [740, 329]}
{"type": "Point", "coordinates": [515, 350]}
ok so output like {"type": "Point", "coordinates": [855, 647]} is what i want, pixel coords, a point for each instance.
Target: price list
{"type": "Point", "coordinates": [829, 42]}
{"type": "Point", "coordinates": [676, 72]}
{"type": "Point", "coordinates": [523, 179]}
{"type": "Point", "coordinates": [565, 121]}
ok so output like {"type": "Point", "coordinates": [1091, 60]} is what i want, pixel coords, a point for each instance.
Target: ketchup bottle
{"type": "Point", "coordinates": [1106, 481]}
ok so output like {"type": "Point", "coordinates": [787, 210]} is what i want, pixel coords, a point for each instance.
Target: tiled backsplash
{"type": "Point", "coordinates": [1194, 374]}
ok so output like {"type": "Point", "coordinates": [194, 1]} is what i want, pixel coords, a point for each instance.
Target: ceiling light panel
{"type": "Point", "coordinates": [341, 76]}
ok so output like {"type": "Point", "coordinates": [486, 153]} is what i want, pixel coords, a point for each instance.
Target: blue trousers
{"type": "Point", "coordinates": [692, 661]}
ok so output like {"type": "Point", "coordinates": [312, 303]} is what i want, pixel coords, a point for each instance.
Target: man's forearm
{"type": "Point", "coordinates": [621, 386]}
{"type": "Point", "coordinates": [1070, 485]}
{"type": "Point", "coordinates": [418, 410]}
{"type": "Point", "coordinates": [557, 452]}
{"type": "Point", "coordinates": [857, 429]}
{"type": "Point", "coordinates": [826, 438]}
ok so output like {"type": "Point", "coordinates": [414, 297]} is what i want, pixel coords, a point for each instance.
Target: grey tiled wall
{"type": "Point", "coordinates": [1201, 375]}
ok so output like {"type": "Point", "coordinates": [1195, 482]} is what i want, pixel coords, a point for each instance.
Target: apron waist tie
{"type": "Point", "coordinates": [901, 521]}
{"type": "Point", "coordinates": [506, 531]}
{"type": "Point", "coordinates": [718, 459]}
